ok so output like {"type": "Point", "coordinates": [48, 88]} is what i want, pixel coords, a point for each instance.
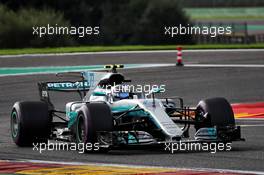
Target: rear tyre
{"type": "Point", "coordinates": [30, 123]}
{"type": "Point", "coordinates": [214, 112]}
{"type": "Point", "coordinates": [93, 117]}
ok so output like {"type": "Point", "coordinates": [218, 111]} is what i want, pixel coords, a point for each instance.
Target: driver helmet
{"type": "Point", "coordinates": [121, 92]}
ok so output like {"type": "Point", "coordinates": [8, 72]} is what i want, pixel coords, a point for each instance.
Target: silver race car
{"type": "Point", "coordinates": [112, 115]}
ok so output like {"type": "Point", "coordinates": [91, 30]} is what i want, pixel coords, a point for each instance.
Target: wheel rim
{"type": "Point", "coordinates": [200, 115]}
{"type": "Point", "coordinates": [80, 129]}
{"type": "Point", "coordinates": [14, 124]}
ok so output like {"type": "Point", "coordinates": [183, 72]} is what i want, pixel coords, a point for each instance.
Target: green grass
{"type": "Point", "coordinates": [225, 13]}
{"type": "Point", "coordinates": [123, 48]}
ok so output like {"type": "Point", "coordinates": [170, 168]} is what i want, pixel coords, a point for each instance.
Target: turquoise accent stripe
{"type": "Point", "coordinates": [73, 116]}
{"type": "Point", "coordinates": [121, 108]}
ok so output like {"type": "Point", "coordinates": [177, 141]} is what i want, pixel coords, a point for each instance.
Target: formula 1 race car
{"type": "Point", "coordinates": [114, 116]}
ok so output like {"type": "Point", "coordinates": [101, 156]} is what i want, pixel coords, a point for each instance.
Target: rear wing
{"type": "Point", "coordinates": [66, 86]}
{"type": "Point", "coordinates": [81, 87]}
{"type": "Point", "coordinates": [87, 81]}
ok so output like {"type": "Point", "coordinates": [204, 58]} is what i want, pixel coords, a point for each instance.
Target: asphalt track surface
{"type": "Point", "coordinates": [238, 85]}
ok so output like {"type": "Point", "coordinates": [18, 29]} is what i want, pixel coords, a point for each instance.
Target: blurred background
{"type": "Point", "coordinates": [129, 22]}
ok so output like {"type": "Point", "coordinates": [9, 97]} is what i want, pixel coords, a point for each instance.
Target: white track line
{"type": "Point", "coordinates": [251, 125]}
{"type": "Point", "coordinates": [256, 119]}
{"type": "Point", "coordinates": [141, 166]}
{"type": "Point", "coordinates": [226, 65]}
{"type": "Point", "coordinates": [131, 52]}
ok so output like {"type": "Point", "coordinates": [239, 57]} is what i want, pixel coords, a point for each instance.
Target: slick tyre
{"type": "Point", "coordinates": [214, 112]}
{"type": "Point", "coordinates": [30, 122]}
{"type": "Point", "coordinates": [93, 117]}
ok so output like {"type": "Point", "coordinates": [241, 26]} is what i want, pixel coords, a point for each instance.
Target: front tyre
{"type": "Point", "coordinates": [93, 117]}
{"type": "Point", "coordinates": [214, 112]}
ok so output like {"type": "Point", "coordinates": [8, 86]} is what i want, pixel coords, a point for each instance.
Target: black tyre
{"type": "Point", "coordinates": [214, 112]}
{"type": "Point", "coordinates": [30, 122]}
{"type": "Point", "coordinates": [91, 118]}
